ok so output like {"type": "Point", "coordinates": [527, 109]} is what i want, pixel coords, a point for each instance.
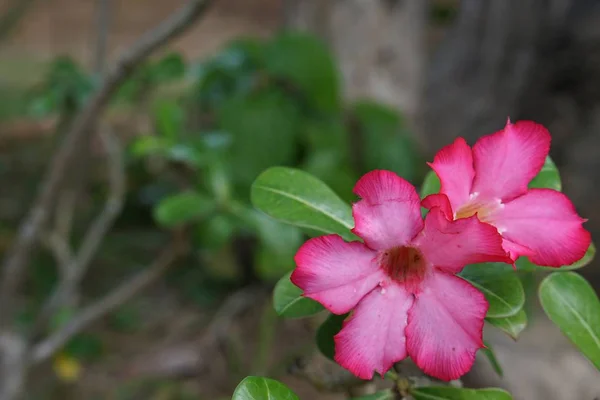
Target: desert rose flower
{"type": "Point", "coordinates": [490, 180]}
{"type": "Point", "coordinates": [400, 284]}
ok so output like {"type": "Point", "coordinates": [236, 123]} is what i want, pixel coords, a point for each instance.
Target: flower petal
{"type": "Point", "coordinates": [373, 339]}
{"type": "Point", "coordinates": [441, 201]}
{"type": "Point", "coordinates": [546, 222]}
{"type": "Point", "coordinates": [506, 161]}
{"type": "Point", "coordinates": [388, 214]}
{"type": "Point", "coordinates": [445, 326]}
{"type": "Point", "coordinates": [453, 164]}
{"type": "Point", "coordinates": [335, 273]}
{"type": "Point", "coordinates": [450, 245]}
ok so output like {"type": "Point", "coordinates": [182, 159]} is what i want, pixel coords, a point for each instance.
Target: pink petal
{"type": "Point", "coordinates": [373, 339]}
{"type": "Point", "coordinates": [441, 201]}
{"type": "Point", "coordinates": [335, 273]}
{"type": "Point", "coordinates": [546, 222]}
{"type": "Point", "coordinates": [389, 214]}
{"type": "Point", "coordinates": [445, 326]}
{"type": "Point", "coordinates": [506, 161]}
{"type": "Point", "coordinates": [515, 250]}
{"type": "Point", "coordinates": [450, 245]}
{"type": "Point", "coordinates": [453, 164]}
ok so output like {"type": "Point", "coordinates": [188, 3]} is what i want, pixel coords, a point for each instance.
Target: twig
{"type": "Point", "coordinates": [77, 266]}
{"type": "Point", "coordinates": [26, 238]}
{"type": "Point", "coordinates": [187, 359]}
{"type": "Point", "coordinates": [106, 304]}
{"type": "Point", "coordinates": [13, 16]}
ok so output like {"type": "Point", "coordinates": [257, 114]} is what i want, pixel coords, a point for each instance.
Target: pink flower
{"type": "Point", "coordinates": [401, 283]}
{"type": "Point", "coordinates": [490, 180]}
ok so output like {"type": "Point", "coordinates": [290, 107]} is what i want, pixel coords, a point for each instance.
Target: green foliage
{"type": "Point", "coordinates": [500, 286]}
{"type": "Point", "coordinates": [182, 208]}
{"type": "Point", "coordinates": [298, 198]}
{"type": "Point", "coordinates": [452, 393]}
{"type": "Point", "coordinates": [512, 326]}
{"type": "Point", "coordinates": [548, 177]}
{"type": "Point", "coordinates": [382, 395]}
{"type": "Point", "coordinates": [306, 64]}
{"type": "Point", "coordinates": [326, 332]}
{"type": "Point", "coordinates": [489, 353]}
{"type": "Point", "coordinates": [289, 302]}
{"type": "Point", "coordinates": [571, 303]}
{"type": "Point", "coordinates": [386, 142]}
{"type": "Point", "coordinates": [258, 388]}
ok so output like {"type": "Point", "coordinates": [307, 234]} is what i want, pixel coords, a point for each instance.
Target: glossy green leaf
{"type": "Point", "coordinates": [382, 395]}
{"type": "Point", "coordinates": [431, 185]}
{"type": "Point", "coordinates": [279, 244]}
{"type": "Point", "coordinates": [307, 64]}
{"type": "Point", "coordinates": [182, 208]}
{"type": "Point", "coordinates": [512, 326]}
{"type": "Point", "coordinates": [500, 285]}
{"type": "Point", "coordinates": [259, 388]}
{"type": "Point", "coordinates": [289, 302]}
{"type": "Point", "coordinates": [326, 332]}
{"type": "Point", "coordinates": [571, 303]}
{"type": "Point", "coordinates": [386, 142]}
{"type": "Point", "coordinates": [300, 199]}
{"type": "Point", "coordinates": [488, 351]}
{"type": "Point", "coordinates": [549, 177]}
{"type": "Point", "coordinates": [524, 264]}
{"type": "Point", "coordinates": [264, 128]}
{"type": "Point", "coordinates": [453, 393]}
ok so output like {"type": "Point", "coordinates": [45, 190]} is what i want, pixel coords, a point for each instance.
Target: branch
{"type": "Point", "coordinates": [26, 238]}
{"type": "Point", "coordinates": [123, 293]}
{"type": "Point", "coordinates": [77, 266]}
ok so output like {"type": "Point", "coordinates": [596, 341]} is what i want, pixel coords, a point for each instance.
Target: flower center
{"type": "Point", "coordinates": [483, 208]}
{"type": "Point", "coordinates": [404, 264]}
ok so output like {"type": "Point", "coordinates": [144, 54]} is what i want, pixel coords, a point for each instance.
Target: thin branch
{"type": "Point", "coordinates": [26, 238]}
{"type": "Point", "coordinates": [13, 16]}
{"type": "Point", "coordinates": [106, 304]}
{"type": "Point", "coordinates": [77, 266]}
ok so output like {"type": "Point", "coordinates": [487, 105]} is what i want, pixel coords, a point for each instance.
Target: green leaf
{"type": "Point", "coordinates": [145, 146]}
{"type": "Point", "coordinates": [182, 208]}
{"type": "Point", "coordinates": [279, 245]}
{"type": "Point", "coordinates": [264, 128]}
{"type": "Point", "coordinates": [387, 394]}
{"type": "Point", "coordinates": [214, 233]}
{"type": "Point", "coordinates": [524, 264]}
{"type": "Point", "coordinates": [548, 177]}
{"type": "Point", "coordinates": [169, 68]}
{"type": "Point", "coordinates": [326, 332]}
{"type": "Point", "coordinates": [571, 303]}
{"type": "Point", "coordinates": [289, 302]}
{"type": "Point", "coordinates": [500, 285]}
{"type": "Point", "coordinates": [512, 326]}
{"type": "Point", "coordinates": [488, 351]}
{"type": "Point", "coordinates": [300, 199]}
{"type": "Point", "coordinates": [169, 118]}
{"type": "Point", "coordinates": [259, 388]}
{"type": "Point", "coordinates": [85, 347]}
{"type": "Point", "coordinates": [386, 142]}
{"type": "Point", "coordinates": [453, 393]}
{"type": "Point", "coordinates": [431, 184]}
{"type": "Point", "coordinates": [307, 64]}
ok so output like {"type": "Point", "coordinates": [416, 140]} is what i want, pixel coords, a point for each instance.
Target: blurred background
{"type": "Point", "coordinates": [337, 88]}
